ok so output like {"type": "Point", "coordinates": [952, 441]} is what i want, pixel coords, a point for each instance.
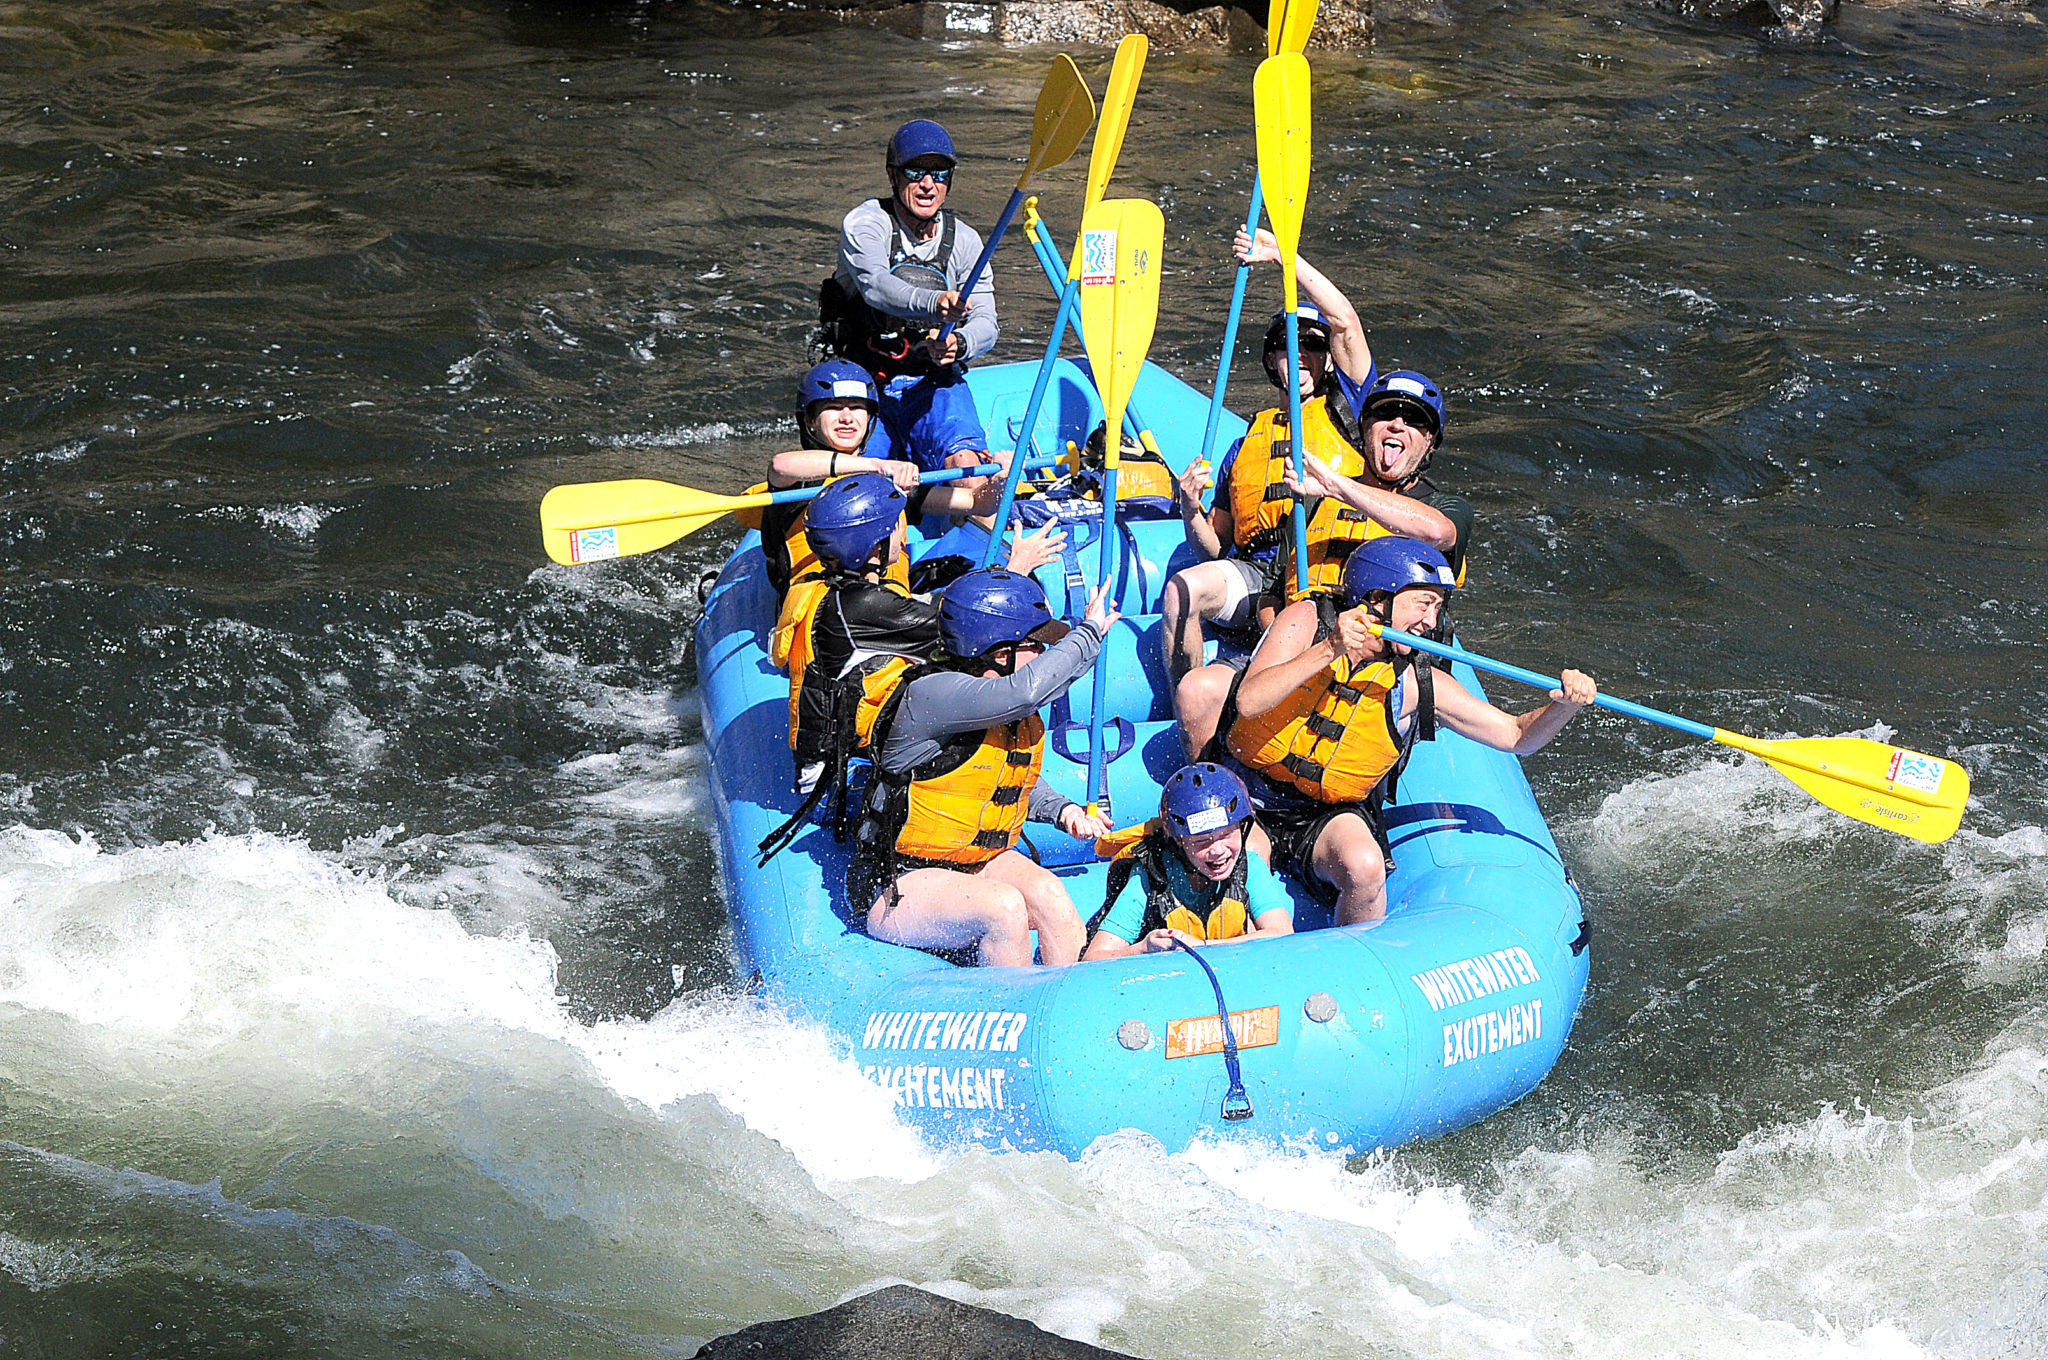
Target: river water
{"type": "Point", "coordinates": [364, 987]}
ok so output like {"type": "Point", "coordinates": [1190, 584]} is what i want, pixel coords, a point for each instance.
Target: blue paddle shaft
{"type": "Point", "coordinates": [988, 251]}
{"type": "Point", "coordinates": [1244, 271]}
{"type": "Point", "coordinates": [804, 493]}
{"type": "Point", "coordinates": [1069, 296]}
{"type": "Point", "coordinates": [1294, 440]}
{"type": "Point", "coordinates": [1548, 682]}
{"type": "Point", "coordinates": [1106, 568]}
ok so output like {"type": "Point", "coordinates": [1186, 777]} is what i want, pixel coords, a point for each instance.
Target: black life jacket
{"type": "Point", "coordinates": [885, 345]}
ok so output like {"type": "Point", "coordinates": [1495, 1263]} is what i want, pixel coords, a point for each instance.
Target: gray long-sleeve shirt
{"type": "Point", "coordinates": [865, 239]}
{"type": "Point", "coordinates": [949, 703]}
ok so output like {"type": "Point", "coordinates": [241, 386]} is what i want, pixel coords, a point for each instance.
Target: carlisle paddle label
{"type": "Point", "coordinates": [1915, 771]}
{"type": "Point", "coordinates": [1199, 1034]}
{"type": "Point", "coordinates": [591, 545]}
{"type": "Point", "coordinates": [1098, 257]}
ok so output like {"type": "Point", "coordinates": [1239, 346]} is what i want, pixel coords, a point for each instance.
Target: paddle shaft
{"type": "Point", "coordinates": [1070, 295]}
{"type": "Point", "coordinates": [1300, 515]}
{"type": "Point", "coordinates": [1451, 652]}
{"type": "Point", "coordinates": [1766, 750]}
{"type": "Point", "coordinates": [1244, 273]}
{"type": "Point", "coordinates": [988, 251]}
{"type": "Point", "coordinates": [1106, 569]}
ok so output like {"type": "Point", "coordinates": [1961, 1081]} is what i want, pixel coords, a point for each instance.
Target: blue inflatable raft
{"type": "Point", "coordinates": [1453, 1007]}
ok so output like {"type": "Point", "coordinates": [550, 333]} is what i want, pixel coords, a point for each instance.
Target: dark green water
{"type": "Point", "coordinates": [363, 984]}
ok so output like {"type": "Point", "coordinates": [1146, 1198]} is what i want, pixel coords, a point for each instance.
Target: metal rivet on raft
{"type": "Point", "coordinates": [1134, 1035]}
{"type": "Point", "coordinates": [1321, 1007]}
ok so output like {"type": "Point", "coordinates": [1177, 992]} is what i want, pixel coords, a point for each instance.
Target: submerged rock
{"type": "Point", "coordinates": [898, 1323]}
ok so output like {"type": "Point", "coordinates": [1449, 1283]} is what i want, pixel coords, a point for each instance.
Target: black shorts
{"type": "Point", "coordinates": [1295, 831]}
{"type": "Point", "coordinates": [865, 879]}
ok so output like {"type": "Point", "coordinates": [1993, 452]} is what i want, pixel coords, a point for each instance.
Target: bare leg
{"type": "Point", "coordinates": [1348, 858]}
{"type": "Point", "coordinates": [1198, 700]}
{"type": "Point", "coordinates": [1194, 594]}
{"type": "Point", "coordinates": [1046, 903]}
{"type": "Point", "coordinates": [948, 909]}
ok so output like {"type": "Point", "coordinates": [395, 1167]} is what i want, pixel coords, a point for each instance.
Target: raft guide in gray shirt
{"type": "Point", "coordinates": [865, 239]}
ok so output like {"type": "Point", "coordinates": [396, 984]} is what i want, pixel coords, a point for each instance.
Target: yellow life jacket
{"type": "Point", "coordinates": [790, 645]}
{"type": "Point", "coordinates": [1146, 845]}
{"type": "Point", "coordinates": [1260, 506]}
{"type": "Point", "coordinates": [1334, 531]}
{"type": "Point", "coordinates": [1139, 472]}
{"type": "Point", "coordinates": [1335, 738]}
{"type": "Point", "coordinates": [965, 805]}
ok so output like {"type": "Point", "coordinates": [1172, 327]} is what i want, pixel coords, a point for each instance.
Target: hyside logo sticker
{"type": "Point", "coordinates": [1915, 771]}
{"type": "Point", "coordinates": [592, 545]}
{"type": "Point", "coordinates": [1098, 256]}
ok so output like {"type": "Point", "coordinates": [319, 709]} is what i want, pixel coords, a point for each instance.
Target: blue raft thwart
{"type": "Point", "coordinates": [1453, 1007]}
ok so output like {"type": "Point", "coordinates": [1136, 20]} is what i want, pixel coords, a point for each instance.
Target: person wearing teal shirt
{"type": "Point", "coordinates": [1196, 873]}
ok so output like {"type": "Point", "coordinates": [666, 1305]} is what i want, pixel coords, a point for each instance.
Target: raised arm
{"type": "Point", "coordinates": [1347, 333]}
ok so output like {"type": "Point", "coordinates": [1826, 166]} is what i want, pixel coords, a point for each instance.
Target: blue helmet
{"type": "Point", "coordinates": [920, 137]}
{"type": "Point", "coordinates": [1198, 799]}
{"type": "Point", "coordinates": [986, 609]}
{"type": "Point", "coordinates": [851, 518]}
{"type": "Point", "coordinates": [1419, 399]}
{"type": "Point", "coordinates": [1312, 329]}
{"type": "Point", "coordinates": [837, 380]}
{"type": "Point", "coordinates": [1393, 564]}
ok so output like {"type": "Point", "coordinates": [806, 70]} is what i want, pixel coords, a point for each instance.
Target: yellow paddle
{"type": "Point", "coordinates": [1109, 144]}
{"type": "Point", "coordinates": [1065, 111]}
{"type": "Point", "coordinates": [1909, 792]}
{"type": "Point", "coordinates": [590, 521]}
{"type": "Point", "coordinates": [1288, 23]}
{"type": "Point", "coordinates": [1118, 254]}
{"type": "Point", "coordinates": [1280, 97]}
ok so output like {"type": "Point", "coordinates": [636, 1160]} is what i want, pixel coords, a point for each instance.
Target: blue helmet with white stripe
{"type": "Point", "coordinates": [1197, 799]}
{"type": "Point", "coordinates": [1410, 395]}
{"type": "Point", "coordinates": [1394, 564]}
{"type": "Point", "coordinates": [836, 380]}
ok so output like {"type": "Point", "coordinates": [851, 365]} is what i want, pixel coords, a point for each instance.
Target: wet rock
{"type": "Point", "coordinates": [900, 1323]}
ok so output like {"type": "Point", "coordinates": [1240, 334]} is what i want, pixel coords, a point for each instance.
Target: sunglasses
{"type": "Point", "coordinates": [1411, 412]}
{"type": "Point", "coordinates": [913, 174]}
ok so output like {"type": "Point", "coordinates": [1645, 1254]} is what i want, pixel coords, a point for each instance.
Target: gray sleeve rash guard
{"type": "Point", "coordinates": [949, 703]}
{"type": "Point", "coordinates": [864, 241]}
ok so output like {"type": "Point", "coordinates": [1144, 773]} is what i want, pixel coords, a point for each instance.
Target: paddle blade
{"type": "Point", "coordinates": [1065, 112]}
{"type": "Point", "coordinates": [1121, 244]}
{"type": "Point", "coordinates": [590, 521]}
{"type": "Point", "coordinates": [1280, 98]}
{"type": "Point", "coordinates": [1288, 24]}
{"type": "Point", "coordinates": [1116, 115]}
{"type": "Point", "coordinates": [1908, 792]}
